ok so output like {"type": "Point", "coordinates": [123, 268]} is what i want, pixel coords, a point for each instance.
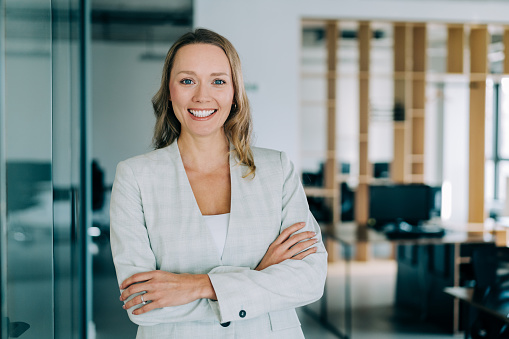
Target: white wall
{"type": "Point", "coordinates": [122, 86]}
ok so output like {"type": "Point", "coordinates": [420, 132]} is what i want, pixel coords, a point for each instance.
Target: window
{"type": "Point", "coordinates": [498, 156]}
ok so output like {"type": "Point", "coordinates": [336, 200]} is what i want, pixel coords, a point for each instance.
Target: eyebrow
{"type": "Point", "coordinates": [211, 74]}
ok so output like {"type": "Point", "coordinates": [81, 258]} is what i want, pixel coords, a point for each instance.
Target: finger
{"type": "Point", "coordinates": [302, 246]}
{"type": "Point", "coordinates": [287, 232]}
{"type": "Point", "coordinates": [136, 278]}
{"type": "Point", "coordinates": [133, 289]}
{"type": "Point", "coordinates": [140, 299]}
{"type": "Point", "coordinates": [145, 308]}
{"type": "Point", "coordinates": [299, 237]}
{"type": "Point", "coordinates": [304, 254]}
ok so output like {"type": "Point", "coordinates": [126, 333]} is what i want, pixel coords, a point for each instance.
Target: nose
{"type": "Point", "coordinates": [201, 94]}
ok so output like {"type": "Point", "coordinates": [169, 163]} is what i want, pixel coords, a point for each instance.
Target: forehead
{"type": "Point", "coordinates": [203, 58]}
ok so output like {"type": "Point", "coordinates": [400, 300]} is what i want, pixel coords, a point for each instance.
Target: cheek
{"type": "Point", "coordinates": [173, 91]}
{"type": "Point", "coordinates": [227, 97]}
{"type": "Point", "coordinates": [177, 96]}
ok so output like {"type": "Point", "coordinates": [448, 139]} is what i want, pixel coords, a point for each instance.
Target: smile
{"type": "Point", "coordinates": [202, 113]}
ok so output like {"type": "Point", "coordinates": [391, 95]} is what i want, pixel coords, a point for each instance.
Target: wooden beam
{"type": "Point", "coordinates": [455, 48]}
{"type": "Point", "coordinates": [506, 50]}
{"type": "Point", "coordinates": [478, 65]}
{"type": "Point", "coordinates": [332, 48]}
{"type": "Point", "coordinates": [400, 167]}
{"type": "Point", "coordinates": [419, 45]}
{"type": "Point", "coordinates": [362, 192]}
{"type": "Point", "coordinates": [476, 213]}
{"type": "Point", "coordinates": [479, 50]}
{"type": "Point", "coordinates": [330, 175]}
{"type": "Point", "coordinates": [417, 122]}
{"type": "Point", "coordinates": [401, 47]}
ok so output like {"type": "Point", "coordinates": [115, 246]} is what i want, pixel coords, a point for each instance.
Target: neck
{"type": "Point", "coordinates": [204, 154]}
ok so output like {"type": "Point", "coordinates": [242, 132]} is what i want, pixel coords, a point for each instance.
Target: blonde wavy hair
{"type": "Point", "coordinates": [237, 127]}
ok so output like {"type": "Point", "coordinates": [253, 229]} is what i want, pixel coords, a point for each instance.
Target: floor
{"type": "Point", "coordinates": [373, 316]}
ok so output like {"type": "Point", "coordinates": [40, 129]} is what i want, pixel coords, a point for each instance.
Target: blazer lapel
{"type": "Point", "coordinates": [195, 229]}
{"type": "Point", "coordinates": [235, 210]}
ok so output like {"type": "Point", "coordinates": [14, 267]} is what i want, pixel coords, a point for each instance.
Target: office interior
{"type": "Point", "coordinates": [417, 97]}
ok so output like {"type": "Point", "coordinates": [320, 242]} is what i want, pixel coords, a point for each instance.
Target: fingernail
{"type": "Point", "coordinates": [120, 298]}
{"type": "Point", "coordinates": [123, 306]}
{"type": "Point", "coordinates": [303, 223]}
{"type": "Point", "coordinates": [314, 233]}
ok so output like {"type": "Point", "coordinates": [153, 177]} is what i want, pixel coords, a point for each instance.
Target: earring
{"type": "Point", "coordinates": [234, 106]}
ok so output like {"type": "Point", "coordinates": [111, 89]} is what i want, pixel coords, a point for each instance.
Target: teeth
{"type": "Point", "coordinates": [202, 114]}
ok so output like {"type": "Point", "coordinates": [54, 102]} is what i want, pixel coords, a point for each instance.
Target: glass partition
{"type": "Point", "coordinates": [44, 170]}
{"type": "Point", "coordinates": [28, 168]}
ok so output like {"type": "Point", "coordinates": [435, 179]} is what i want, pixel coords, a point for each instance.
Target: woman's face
{"type": "Point", "coordinates": [201, 89]}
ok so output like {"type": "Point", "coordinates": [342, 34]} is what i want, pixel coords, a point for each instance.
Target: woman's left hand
{"type": "Point", "coordinates": [165, 289]}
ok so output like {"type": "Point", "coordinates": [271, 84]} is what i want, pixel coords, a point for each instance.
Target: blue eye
{"type": "Point", "coordinates": [187, 81]}
{"type": "Point", "coordinates": [219, 82]}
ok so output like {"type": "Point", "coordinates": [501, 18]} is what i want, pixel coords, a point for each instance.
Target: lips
{"type": "Point", "coordinates": [202, 113]}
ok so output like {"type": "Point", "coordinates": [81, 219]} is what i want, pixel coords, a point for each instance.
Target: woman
{"type": "Point", "coordinates": [212, 238]}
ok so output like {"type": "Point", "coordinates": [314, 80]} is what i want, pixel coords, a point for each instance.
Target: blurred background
{"type": "Point", "coordinates": [76, 79]}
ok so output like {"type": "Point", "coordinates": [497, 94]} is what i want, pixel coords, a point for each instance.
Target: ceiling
{"type": "Point", "coordinates": [112, 20]}
{"type": "Point", "coordinates": [134, 20]}
{"type": "Point", "coordinates": [165, 5]}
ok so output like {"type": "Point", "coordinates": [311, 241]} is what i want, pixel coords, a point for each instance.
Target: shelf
{"type": "Point", "coordinates": [478, 76]}
{"type": "Point", "coordinates": [416, 158]}
{"type": "Point", "coordinates": [463, 260]}
{"type": "Point", "coordinates": [319, 192]}
{"type": "Point", "coordinates": [415, 178]}
{"type": "Point", "coordinates": [364, 75]}
{"type": "Point", "coordinates": [418, 75]}
{"type": "Point", "coordinates": [342, 178]}
{"type": "Point", "coordinates": [399, 75]}
{"type": "Point", "coordinates": [418, 113]}
{"type": "Point", "coordinates": [320, 154]}
{"type": "Point", "coordinates": [365, 179]}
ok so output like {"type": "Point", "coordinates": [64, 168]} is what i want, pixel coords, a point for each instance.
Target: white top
{"type": "Point", "coordinates": [218, 226]}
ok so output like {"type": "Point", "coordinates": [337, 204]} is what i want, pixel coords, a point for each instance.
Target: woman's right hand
{"type": "Point", "coordinates": [288, 245]}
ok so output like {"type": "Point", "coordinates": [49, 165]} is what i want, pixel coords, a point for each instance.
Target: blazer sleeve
{"type": "Point", "coordinates": [132, 253]}
{"type": "Point", "coordinates": [289, 284]}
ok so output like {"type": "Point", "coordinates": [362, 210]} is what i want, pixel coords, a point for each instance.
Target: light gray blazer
{"type": "Point", "coordinates": [156, 224]}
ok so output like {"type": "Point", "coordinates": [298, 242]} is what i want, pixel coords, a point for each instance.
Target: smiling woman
{"type": "Point", "coordinates": [205, 243]}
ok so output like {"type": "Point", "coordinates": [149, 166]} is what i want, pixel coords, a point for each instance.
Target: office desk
{"type": "Point", "coordinates": [498, 309]}
{"type": "Point", "coordinates": [348, 235]}
{"type": "Point", "coordinates": [352, 234]}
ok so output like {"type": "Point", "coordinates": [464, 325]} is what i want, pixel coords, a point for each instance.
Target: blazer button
{"type": "Point", "coordinates": [242, 314]}
{"type": "Point", "coordinates": [226, 324]}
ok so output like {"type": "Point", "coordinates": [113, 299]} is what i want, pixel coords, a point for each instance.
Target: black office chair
{"type": "Point", "coordinates": [491, 289]}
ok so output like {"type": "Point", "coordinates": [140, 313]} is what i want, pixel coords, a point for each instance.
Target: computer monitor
{"type": "Point", "coordinates": [393, 204]}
